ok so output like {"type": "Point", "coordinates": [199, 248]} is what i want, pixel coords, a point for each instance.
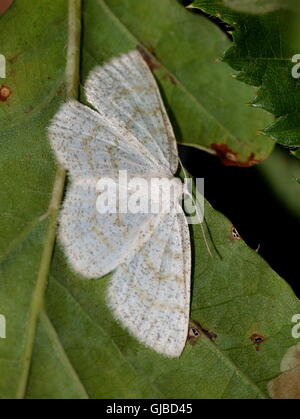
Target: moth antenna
{"type": "Point", "coordinates": [196, 207]}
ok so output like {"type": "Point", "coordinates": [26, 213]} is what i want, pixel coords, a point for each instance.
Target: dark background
{"type": "Point", "coordinates": [243, 196]}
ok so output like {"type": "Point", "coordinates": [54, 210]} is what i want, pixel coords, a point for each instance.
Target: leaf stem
{"type": "Point", "coordinates": [72, 84]}
{"type": "Point", "coordinates": [73, 52]}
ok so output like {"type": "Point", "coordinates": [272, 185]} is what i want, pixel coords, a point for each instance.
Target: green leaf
{"type": "Point", "coordinates": [281, 173]}
{"type": "Point", "coordinates": [62, 341]}
{"type": "Point", "coordinates": [258, 6]}
{"type": "Point", "coordinates": [285, 130]}
{"type": "Point", "coordinates": [262, 54]}
{"type": "Point", "coordinates": [235, 295]}
{"type": "Point", "coordinates": [182, 49]}
{"type": "Point", "coordinates": [39, 74]}
{"type": "Point", "coordinates": [296, 153]}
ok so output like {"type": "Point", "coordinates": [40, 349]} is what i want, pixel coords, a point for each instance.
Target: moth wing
{"type": "Point", "coordinates": [96, 243]}
{"type": "Point", "coordinates": [88, 144]}
{"type": "Point", "coordinates": [125, 89]}
{"type": "Point", "coordinates": [150, 293]}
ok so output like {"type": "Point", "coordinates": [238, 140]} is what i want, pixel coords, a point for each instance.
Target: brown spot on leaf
{"type": "Point", "coordinates": [193, 335]}
{"type": "Point", "coordinates": [234, 234]}
{"type": "Point", "coordinates": [210, 334]}
{"type": "Point", "coordinates": [257, 340]}
{"type": "Point", "coordinates": [148, 53]}
{"type": "Point", "coordinates": [4, 5]}
{"type": "Point", "coordinates": [196, 331]}
{"type": "Point", "coordinates": [287, 385]}
{"type": "Point", "coordinates": [5, 92]}
{"type": "Point", "coordinates": [229, 157]}
{"type": "Point", "coordinates": [148, 57]}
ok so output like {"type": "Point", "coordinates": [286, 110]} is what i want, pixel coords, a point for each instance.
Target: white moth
{"type": "Point", "coordinates": [148, 254]}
